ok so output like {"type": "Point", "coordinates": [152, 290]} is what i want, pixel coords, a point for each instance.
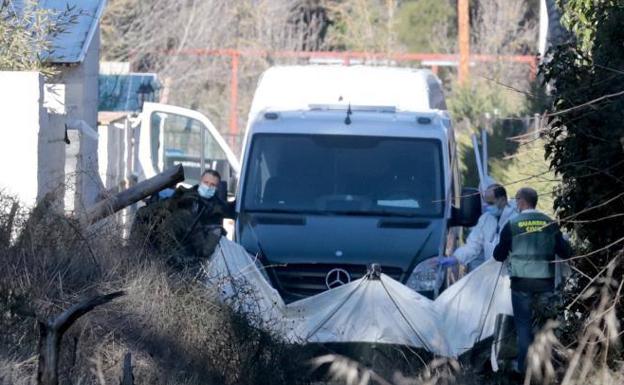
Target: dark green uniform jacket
{"type": "Point", "coordinates": [531, 241]}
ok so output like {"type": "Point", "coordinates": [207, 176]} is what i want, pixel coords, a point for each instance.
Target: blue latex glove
{"type": "Point", "coordinates": [447, 261]}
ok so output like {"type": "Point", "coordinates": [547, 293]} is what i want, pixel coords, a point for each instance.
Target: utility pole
{"type": "Point", "coordinates": [463, 20]}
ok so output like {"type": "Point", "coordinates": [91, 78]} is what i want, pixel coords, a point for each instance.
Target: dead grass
{"type": "Point", "coordinates": [176, 329]}
{"type": "Point", "coordinates": [180, 334]}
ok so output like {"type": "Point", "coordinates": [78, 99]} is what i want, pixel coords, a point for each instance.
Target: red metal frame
{"type": "Point", "coordinates": [345, 56]}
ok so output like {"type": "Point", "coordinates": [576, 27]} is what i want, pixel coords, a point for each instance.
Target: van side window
{"type": "Point", "coordinates": [185, 141]}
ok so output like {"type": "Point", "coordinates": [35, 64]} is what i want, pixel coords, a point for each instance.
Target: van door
{"type": "Point", "coordinates": [172, 135]}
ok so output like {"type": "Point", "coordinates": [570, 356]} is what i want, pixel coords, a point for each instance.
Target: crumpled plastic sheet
{"type": "Point", "coordinates": [367, 310]}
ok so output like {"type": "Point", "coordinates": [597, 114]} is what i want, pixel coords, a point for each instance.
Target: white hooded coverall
{"type": "Point", "coordinates": [483, 237]}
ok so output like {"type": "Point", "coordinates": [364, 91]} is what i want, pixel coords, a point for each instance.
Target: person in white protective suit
{"type": "Point", "coordinates": [484, 235]}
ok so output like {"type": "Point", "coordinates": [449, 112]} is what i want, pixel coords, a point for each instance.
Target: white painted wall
{"type": "Point", "coordinates": [34, 158]}
{"type": "Point", "coordinates": [22, 118]}
{"type": "Point", "coordinates": [51, 150]}
{"type": "Point", "coordinates": [110, 153]}
{"type": "Point", "coordinates": [83, 183]}
{"type": "Point", "coordinates": [79, 103]}
{"type": "Point", "coordinates": [81, 85]}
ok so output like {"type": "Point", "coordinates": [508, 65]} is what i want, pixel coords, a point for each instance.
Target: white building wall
{"type": "Point", "coordinates": [23, 121]}
{"type": "Point", "coordinates": [51, 150]}
{"type": "Point", "coordinates": [34, 157]}
{"type": "Point", "coordinates": [82, 180]}
{"type": "Point", "coordinates": [81, 85]}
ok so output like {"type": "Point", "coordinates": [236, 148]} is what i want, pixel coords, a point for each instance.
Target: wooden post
{"type": "Point", "coordinates": [168, 178]}
{"type": "Point", "coordinates": [463, 20]}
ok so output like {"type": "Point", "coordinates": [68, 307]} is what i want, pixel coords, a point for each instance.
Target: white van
{"type": "Point", "coordinates": [344, 166]}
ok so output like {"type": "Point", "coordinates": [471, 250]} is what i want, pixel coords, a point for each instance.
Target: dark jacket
{"type": "Point", "coordinates": [185, 227]}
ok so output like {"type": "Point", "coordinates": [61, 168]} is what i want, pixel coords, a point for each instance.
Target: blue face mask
{"type": "Point", "coordinates": [494, 210]}
{"type": "Point", "coordinates": [206, 191]}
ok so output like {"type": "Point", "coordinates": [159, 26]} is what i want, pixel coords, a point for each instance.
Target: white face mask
{"type": "Point", "coordinates": [206, 191]}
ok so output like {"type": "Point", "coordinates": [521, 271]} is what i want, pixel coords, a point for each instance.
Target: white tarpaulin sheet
{"type": "Point", "coordinates": [367, 310]}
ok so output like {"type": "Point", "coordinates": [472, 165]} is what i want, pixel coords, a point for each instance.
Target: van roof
{"type": "Point", "coordinates": [434, 124]}
{"type": "Point", "coordinates": [289, 88]}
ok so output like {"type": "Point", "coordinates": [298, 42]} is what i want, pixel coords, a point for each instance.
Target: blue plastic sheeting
{"type": "Point", "coordinates": [121, 92]}
{"type": "Point", "coordinates": [71, 46]}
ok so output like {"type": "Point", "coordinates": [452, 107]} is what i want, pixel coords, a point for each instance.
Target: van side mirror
{"type": "Point", "coordinates": [469, 210]}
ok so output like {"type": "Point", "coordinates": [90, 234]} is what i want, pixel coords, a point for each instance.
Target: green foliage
{"type": "Point", "coordinates": [422, 24]}
{"type": "Point", "coordinates": [376, 25]}
{"type": "Point", "coordinates": [585, 144]}
{"type": "Point", "coordinates": [360, 25]}
{"type": "Point", "coordinates": [26, 36]}
{"type": "Point", "coordinates": [468, 106]}
{"type": "Point", "coordinates": [527, 166]}
{"type": "Point", "coordinates": [582, 16]}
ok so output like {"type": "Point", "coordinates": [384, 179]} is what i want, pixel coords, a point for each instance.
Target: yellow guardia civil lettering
{"type": "Point", "coordinates": [534, 225]}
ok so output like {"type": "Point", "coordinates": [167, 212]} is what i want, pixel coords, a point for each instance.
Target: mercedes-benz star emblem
{"type": "Point", "coordinates": [337, 277]}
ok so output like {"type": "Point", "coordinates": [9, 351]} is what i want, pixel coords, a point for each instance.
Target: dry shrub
{"type": "Point", "coordinates": [179, 333]}
{"type": "Point", "coordinates": [595, 357]}
{"type": "Point", "coordinates": [175, 328]}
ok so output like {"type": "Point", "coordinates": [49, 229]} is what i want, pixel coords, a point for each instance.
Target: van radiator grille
{"type": "Point", "coordinates": [304, 280]}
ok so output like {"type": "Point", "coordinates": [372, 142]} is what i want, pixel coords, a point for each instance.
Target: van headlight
{"type": "Point", "coordinates": [426, 276]}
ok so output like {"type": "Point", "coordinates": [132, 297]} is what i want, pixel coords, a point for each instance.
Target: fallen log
{"type": "Point", "coordinates": [101, 210]}
{"type": "Point", "coordinates": [51, 334]}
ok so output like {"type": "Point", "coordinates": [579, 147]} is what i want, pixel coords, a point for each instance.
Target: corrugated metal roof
{"type": "Point", "coordinates": [71, 46]}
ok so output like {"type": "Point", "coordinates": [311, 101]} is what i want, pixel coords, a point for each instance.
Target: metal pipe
{"type": "Point", "coordinates": [475, 144]}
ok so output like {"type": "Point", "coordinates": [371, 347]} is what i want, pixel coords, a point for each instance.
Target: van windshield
{"type": "Point", "coordinates": [344, 175]}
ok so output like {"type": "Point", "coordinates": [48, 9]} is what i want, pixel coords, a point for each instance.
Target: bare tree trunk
{"type": "Point", "coordinates": [51, 334]}
{"type": "Point", "coordinates": [167, 178]}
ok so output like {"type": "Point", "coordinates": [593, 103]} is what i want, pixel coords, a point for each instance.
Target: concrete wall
{"type": "Point", "coordinates": [114, 145]}
{"type": "Point", "coordinates": [21, 119]}
{"type": "Point", "coordinates": [81, 85]}
{"type": "Point", "coordinates": [34, 157]}
{"type": "Point", "coordinates": [83, 184]}
{"type": "Point", "coordinates": [77, 101]}
{"type": "Point", "coordinates": [51, 152]}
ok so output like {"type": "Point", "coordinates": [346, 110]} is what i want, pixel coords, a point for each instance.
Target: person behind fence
{"type": "Point", "coordinates": [530, 241]}
{"type": "Point", "coordinates": [186, 226]}
{"type": "Point", "coordinates": [484, 235]}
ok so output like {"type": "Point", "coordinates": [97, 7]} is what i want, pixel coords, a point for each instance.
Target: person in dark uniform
{"type": "Point", "coordinates": [530, 241]}
{"type": "Point", "coordinates": [188, 225]}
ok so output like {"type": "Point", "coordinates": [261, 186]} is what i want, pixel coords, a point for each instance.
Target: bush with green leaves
{"type": "Point", "coordinates": [27, 33]}
{"type": "Point", "coordinates": [585, 140]}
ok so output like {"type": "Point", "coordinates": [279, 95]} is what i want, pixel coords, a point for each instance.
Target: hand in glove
{"type": "Point", "coordinates": [447, 261]}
